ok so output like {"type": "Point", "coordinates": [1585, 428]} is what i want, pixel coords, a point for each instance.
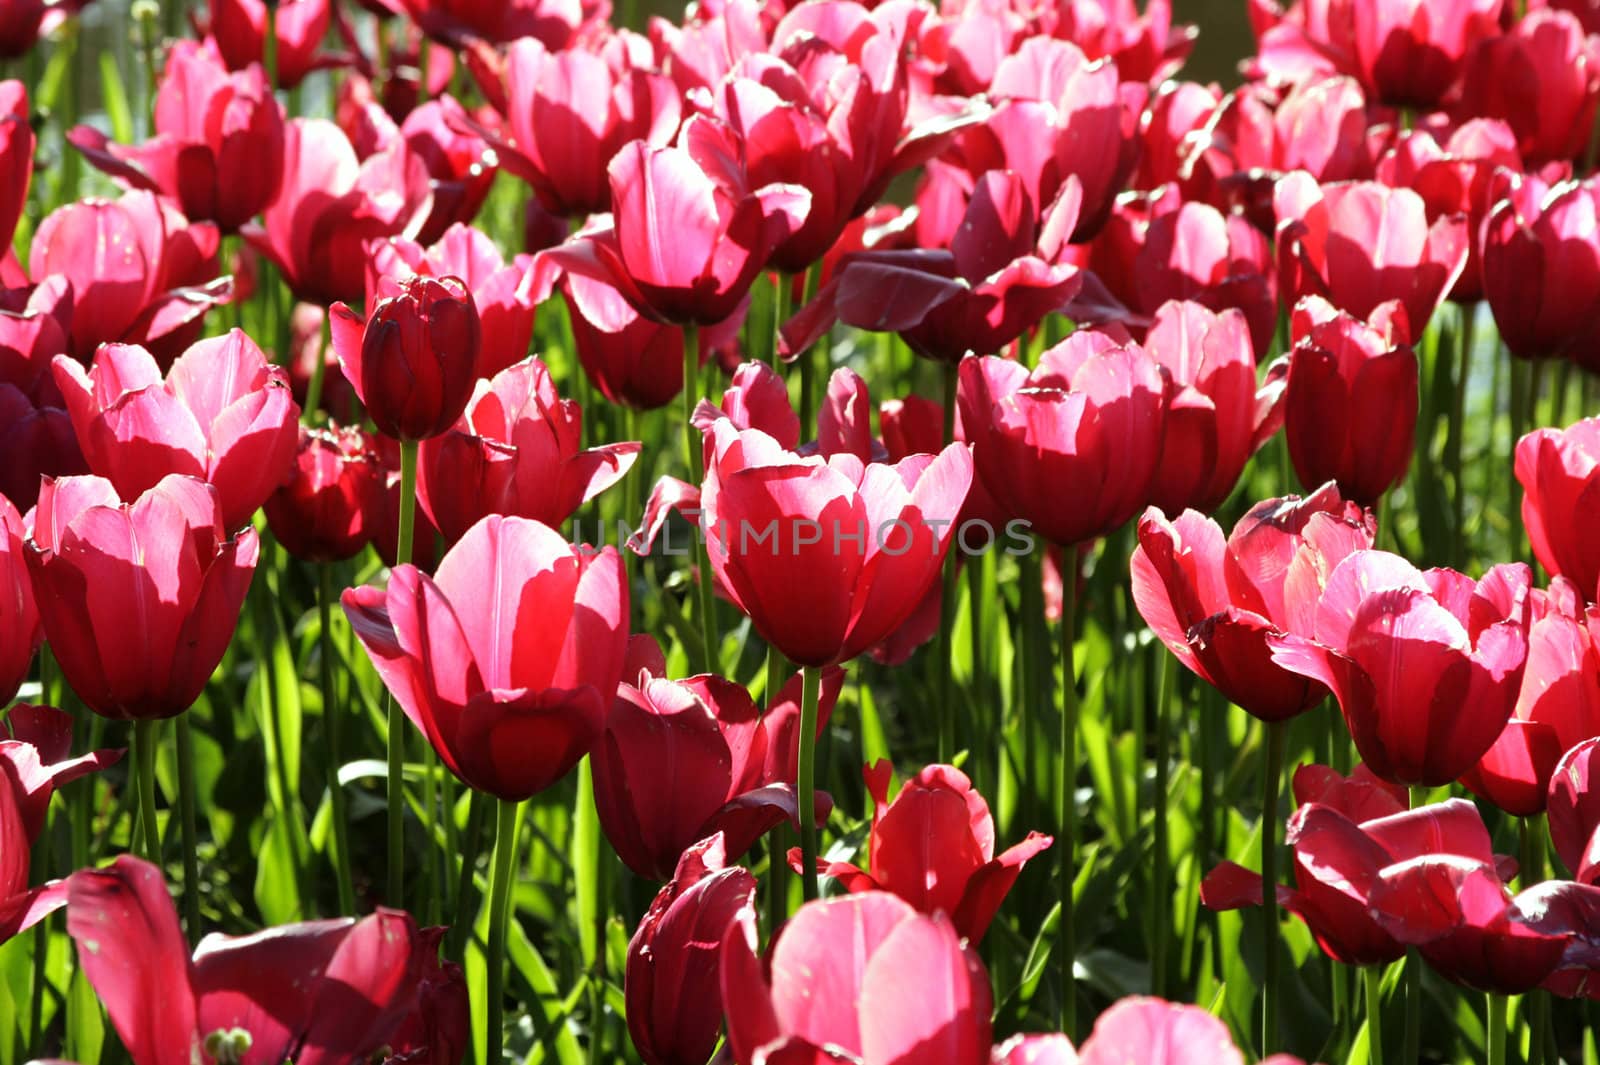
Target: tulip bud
{"type": "Point", "coordinates": [413, 363]}
{"type": "Point", "coordinates": [320, 513]}
{"type": "Point", "coordinates": [19, 617]}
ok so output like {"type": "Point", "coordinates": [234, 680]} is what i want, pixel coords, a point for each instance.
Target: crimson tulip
{"type": "Point", "coordinates": [331, 204]}
{"type": "Point", "coordinates": [1426, 666]}
{"type": "Point", "coordinates": [223, 414]}
{"type": "Point", "coordinates": [1559, 470]}
{"type": "Point", "coordinates": [860, 948]}
{"type": "Point", "coordinates": [681, 760]}
{"type": "Point", "coordinates": [37, 442]}
{"type": "Point", "coordinates": [320, 513]}
{"type": "Point", "coordinates": [17, 142]}
{"type": "Point", "coordinates": [1359, 244]}
{"type": "Point", "coordinates": [458, 22]}
{"type": "Point", "coordinates": [1176, 116]}
{"type": "Point", "coordinates": [139, 598]}
{"type": "Point", "coordinates": [934, 847]}
{"type": "Point", "coordinates": [413, 361]}
{"type": "Point", "coordinates": [510, 706]}
{"type": "Point", "coordinates": [1350, 403]}
{"type": "Point", "coordinates": [1543, 79]}
{"type": "Point", "coordinates": [35, 760]}
{"type": "Point", "coordinates": [1072, 447]}
{"type": "Point", "coordinates": [438, 1030]}
{"type": "Point", "coordinates": [218, 144]}
{"type": "Point", "coordinates": [1215, 603]}
{"type": "Point", "coordinates": [21, 22]}
{"type": "Point", "coordinates": [20, 634]}
{"type": "Point", "coordinates": [672, 985]}
{"type": "Point", "coordinates": [1574, 806]}
{"type": "Point", "coordinates": [515, 451]}
{"type": "Point", "coordinates": [322, 992]}
{"type": "Point", "coordinates": [1541, 261]}
{"type": "Point", "coordinates": [239, 30]}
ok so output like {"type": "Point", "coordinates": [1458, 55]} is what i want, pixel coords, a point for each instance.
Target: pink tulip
{"type": "Point", "coordinates": [1574, 806]}
{"type": "Point", "coordinates": [1541, 262]}
{"type": "Point", "coordinates": [239, 30]}
{"type": "Point", "coordinates": [1559, 471]}
{"type": "Point", "coordinates": [16, 156]}
{"type": "Point", "coordinates": [1543, 79]}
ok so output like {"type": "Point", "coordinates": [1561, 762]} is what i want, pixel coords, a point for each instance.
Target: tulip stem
{"type": "Point", "coordinates": [1277, 735]}
{"type": "Point", "coordinates": [1161, 893]}
{"type": "Point", "coordinates": [319, 371]}
{"type": "Point", "coordinates": [1066, 804]}
{"type": "Point", "coordinates": [505, 846]}
{"type": "Point", "coordinates": [1458, 429]}
{"type": "Point", "coordinates": [330, 730]}
{"type": "Point", "coordinates": [471, 840]}
{"type": "Point", "coordinates": [191, 840]}
{"type": "Point", "coordinates": [1373, 976]}
{"type": "Point", "coordinates": [1531, 871]}
{"type": "Point", "coordinates": [811, 690]}
{"type": "Point", "coordinates": [1412, 1051]}
{"type": "Point", "coordinates": [782, 291]}
{"type": "Point", "coordinates": [694, 448]}
{"type": "Point", "coordinates": [144, 757]}
{"type": "Point", "coordinates": [395, 892]}
{"type": "Point", "coordinates": [946, 711]}
{"type": "Point", "coordinates": [1496, 1007]}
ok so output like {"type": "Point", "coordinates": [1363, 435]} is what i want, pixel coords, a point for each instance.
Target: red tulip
{"type": "Point", "coordinates": [861, 948]}
{"type": "Point", "coordinates": [20, 25]}
{"type": "Point", "coordinates": [1359, 244]}
{"type": "Point", "coordinates": [1574, 805]}
{"type": "Point", "coordinates": [1426, 666]}
{"type": "Point", "coordinates": [1543, 79]}
{"type": "Point", "coordinates": [1175, 118]}
{"type": "Point", "coordinates": [510, 706]}
{"type": "Point", "coordinates": [37, 442]}
{"type": "Point", "coordinates": [331, 204]}
{"type": "Point", "coordinates": [17, 142]}
{"type": "Point", "coordinates": [1216, 603]}
{"type": "Point", "coordinates": [515, 451]}
{"type": "Point", "coordinates": [681, 760]}
{"type": "Point", "coordinates": [20, 634]}
{"type": "Point", "coordinates": [139, 599]}
{"type": "Point", "coordinates": [1072, 447]}
{"type": "Point", "coordinates": [413, 361]}
{"type": "Point", "coordinates": [459, 163]}
{"type": "Point", "coordinates": [320, 513]}
{"type": "Point", "coordinates": [218, 145]}
{"type": "Point", "coordinates": [438, 1030]}
{"type": "Point", "coordinates": [503, 293]}
{"type": "Point", "coordinates": [672, 988]}
{"type": "Point", "coordinates": [456, 22]}
{"type": "Point", "coordinates": [934, 847]}
{"type": "Point", "coordinates": [35, 744]}
{"type": "Point", "coordinates": [1350, 404]}
{"type": "Point", "coordinates": [1559, 470]}
{"type": "Point", "coordinates": [223, 415]}
{"type": "Point", "coordinates": [317, 992]}
{"type": "Point", "coordinates": [1559, 704]}
{"type": "Point", "coordinates": [239, 30]}
{"type": "Point", "coordinates": [1541, 266]}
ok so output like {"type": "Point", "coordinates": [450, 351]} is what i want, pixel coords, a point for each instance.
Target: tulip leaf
{"type": "Point", "coordinates": [585, 859]}
{"type": "Point", "coordinates": [277, 891]}
{"type": "Point", "coordinates": [115, 98]}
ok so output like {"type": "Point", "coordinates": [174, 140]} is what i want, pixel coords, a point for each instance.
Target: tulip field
{"type": "Point", "coordinates": [799, 532]}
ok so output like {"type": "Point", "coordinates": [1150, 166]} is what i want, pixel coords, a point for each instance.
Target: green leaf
{"type": "Point", "coordinates": [115, 97]}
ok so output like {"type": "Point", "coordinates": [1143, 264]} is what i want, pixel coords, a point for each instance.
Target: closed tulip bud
{"type": "Point", "coordinates": [1574, 806]}
{"type": "Point", "coordinates": [1559, 470]}
{"type": "Point", "coordinates": [320, 513]}
{"type": "Point", "coordinates": [239, 28]}
{"type": "Point", "coordinates": [413, 362]}
{"type": "Point", "coordinates": [20, 634]}
{"type": "Point", "coordinates": [37, 442]}
{"type": "Point", "coordinates": [1541, 266]}
{"type": "Point", "coordinates": [16, 153]}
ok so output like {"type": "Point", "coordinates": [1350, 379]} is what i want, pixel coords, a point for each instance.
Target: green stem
{"type": "Point", "coordinates": [1531, 871]}
{"type": "Point", "coordinates": [470, 844]}
{"type": "Point", "coordinates": [782, 293]}
{"type": "Point", "coordinates": [693, 446]}
{"type": "Point", "coordinates": [777, 849]}
{"type": "Point", "coordinates": [191, 836]}
{"type": "Point", "coordinates": [318, 372]}
{"type": "Point", "coordinates": [1495, 1005]}
{"type": "Point", "coordinates": [395, 892]}
{"type": "Point", "coordinates": [811, 691]}
{"type": "Point", "coordinates": [505, 846]}
{"type": "Point", "coordinates": [946, 710]}
{"type": "Point", "coordinates": [1413, 1043]}
{"type": "Point", "coordinates": [589, 889]}
{"type": "Point", "coordinates": [1373, 977]}
{"type": "Point", "coordinates": [1458, 430]}
{"type": "Point", "coordinates": [1066, 805]}
{"type": "Point", "coordinates": [1277, 735]}
{"type": "Point", "coordinates": [1161, 893]}
{"type": "Point", "coordinates": [808, 369]}
{"type": "Point", "coordinates": [144, 756]}
{"type": "Point", "coordinates": [330, 736]}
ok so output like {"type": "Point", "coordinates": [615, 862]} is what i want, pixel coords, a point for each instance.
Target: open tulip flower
{"type": "Point", "coordinates": [1559, 470]}
{"type": "Point", "coordinates": [20, 634]}
{"type": "Point", "coordinates": [934, 847]}
{"type": "Point", "coordinates": [239, 30]}
{"type": "Point", "coordinates": [1543, 78]}
{"type": "Point", "coordinates": [322, 510]}
{"type": "Point", "coordinates": [223, 414]}
{"type": "Point", "coordinates": [460, 22]}
{"type": "Point", "coordinates": [1427, 666]}
{"type": "Point", "coordinates": [35, 760]}
{"type": "Point", "coordinates": [1215, 603]}
{"type": "Point", "coordinates": [1138, 1029]}
{"type": "Point", "coordinates": [511, 704]}
{"type": "Point", "coordinates": [1541, 261]}
{"type": "Point", "coordinates": [1574, 807]}
{"type": "Point", "coordinates": [139, 598]}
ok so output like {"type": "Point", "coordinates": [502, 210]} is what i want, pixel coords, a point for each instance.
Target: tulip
{"type": "Point", "coordinates": [37, 442]}
{"type": "Point", "coordinates": [138, 599]}
{"type": "Point", "coordinates": [1176, 116]}
{"type": "Point", "coordinates": [1350, 404]}
{"type": "Point", "coordinates": [19, 616]}
{"type": "Point", "coordinates": [1541, 261]}
{"type": "Point", "coordinates": [331, 204]}
{"type": "Point", "coordinates": [218, 145]}
{"type": "Point", "coordinates": [934, 847]}
{"type": "Point", "coordinates": [1574, 806]}
{"type": "Point", "coordinates": [1559, 471]}
{"type": "Point", "coordinates": [915, 425]}
{"type": "Point", "coordinates": [1154, 1032]}
{"type": "Point", "coordinates": [1215, 603]}
{"type": "Point", "coordinates": [35, 742]}
{"type": "Point", "coordinates": [239, 30]}
{"type": "Point", "coordinates": [412, 361]}
{"type": "Point", "coordinates": [861, 948]}
{"type": "Point", "coordinates": [17, 142]}
{"type": "Point", "coordinates": [671, 984]}
{"type": "Point", "coordinates": [456, 22]}
{"type": "Point", "coordinates": [514, 451]}
{"type": "Point", "coordinates": [21, 22]}
{"type": "Point", "coordinates": [438, 1030]}
{"type": "Point", "coordinates": [321, 512]}
{"type": "Point", "coordinates": [1359, 244]}
{"type": "Point", "coordinates": [682, 760]}
{"type": "Point", "coordinates": [223, 414]}
{"type": "Point", "coordinates": [315, 992]}
{"type": "Point", "coordinates": [1543, 79]}
{"type": "Point", "coordinates": [510, 707]}
{"type": "Point", "coordinates": [1426, 666]}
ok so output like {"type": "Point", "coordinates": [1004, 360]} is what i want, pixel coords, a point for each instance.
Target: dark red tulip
{"type": "Point", "coordinates": [20, 634]}
{"type": "Point", "coordinates": [414, 361]}
{"type": "Point", "coordinates": [457, 22]}
{"type": "Point", "coordinates": [1215, 603]}
{"type": "Point", "coordinates": [934, 847]}
{"type": "Point", "coordinates": [16, 150]}
{"type": "Point", "coordinates": [510, 706]}
{"type": "Point", "coordinates": [1541, 263]}
{"type": "Point", "coordinates": [1559, 470]}
{"type": "Point", "coordinates": [1574, 807]}
{"type": "Point", "coordinates": [1542, 79]}
{"type": "Point", "coordinates": [218, 144]}
{"type": "Point", "coordinates": [681, 760]}
{"type": "Point", "coordinates": [20, 23]}
{"type": "Point", "coordinates": [1072, 447]}
{"type": "Point", "coordinates": [35, 760]}
{"type": "Point", "coordinates": [139, 599]}
{"type": "Point", "coordinates": [515, 451]}
{"type": "Point", "coordinates": [1426, 666]}
{"type": "Point", "coordinates": [38, 442]}
{"type": "Point", "coordinates": [503, 293]}
{"type": "Point", "coordinates": [317, 992]}
{"type": "Point", "coordinates": [223, 414]}
{"type": "Point", "coordinates": [672, 984]}
{"type": "Point", "coordinates": [861, 948]}
{"type": "Point", "coordinates": [438, 1031]}
{"type": "Point", "coordinates": [383, 521]}
{"type": "Point", "coordinates": [239, 29]}
{"type": "Point", "coordinates": [331, 204]}
{"type": "Point", "coordinates": [321, 512]}
{"type": "Point", "coordinates": [1350, 404]}
{"type": "Point", "coordinates": [1559, 704]}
